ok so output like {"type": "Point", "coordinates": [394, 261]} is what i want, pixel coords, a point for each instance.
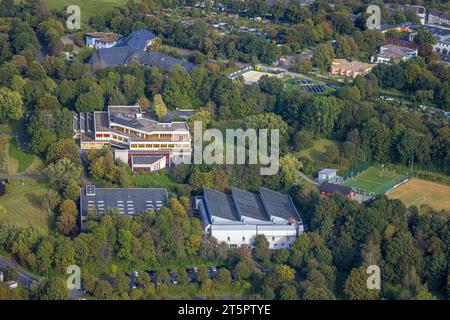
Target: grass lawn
{"type": "Point", "coordinates": [22, 204]}
{"type": "Point", "coordinates": [374, 180]}
{"type": "Point", "coordinates": [20, 161]}
{"type": "Point", "coordinates": [317, 151]}
{"type": "Point", "coordinates": [88, 8]}
{"type": "Point", "coordinates": [417, 192]}
{"type": "Point", "coordinates": [159, 179]}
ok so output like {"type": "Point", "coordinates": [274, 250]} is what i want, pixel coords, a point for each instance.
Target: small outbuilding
{"type": "Point", "coordinates": [326, 174]}
{"type": "Point", "coordinates": [328, 189]}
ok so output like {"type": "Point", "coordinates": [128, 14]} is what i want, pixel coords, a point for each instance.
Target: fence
{"type": "Point", "coordinates": [358, 169]}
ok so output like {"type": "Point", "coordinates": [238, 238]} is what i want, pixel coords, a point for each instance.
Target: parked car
{"type": "Point", "coordinates": [154, 277]}
{"type": "Point", "coordinates": [172, 276]}
{"type": "Point", "coordinates": [212, 272]}
{"type": "Point", "coordinates": [191, 272]}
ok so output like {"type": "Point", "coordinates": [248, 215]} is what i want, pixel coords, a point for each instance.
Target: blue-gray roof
{"type": "Point", "coordinates": [110, 57]}
{"type": "Point", "coordinates": [220, 204]}
{"type": "Point", "coordinates": [139, 39]}
{"type": "Point", "coordinates": [115, 56]}
{"type": "Point", "coordinates": [133, 48]}
{"type": "Point", "coordinates": [278, 204]}
{"type": "Point", "coordinates": [128, 201]}
{"type": "Point", "coordinates": [159, 60]}
{"type": "Point", "coordinates": [249, 204]}
{"type": "Point", "coordinates": [146, 159]}
{"type": "Point", "coordinates": [263, 206]}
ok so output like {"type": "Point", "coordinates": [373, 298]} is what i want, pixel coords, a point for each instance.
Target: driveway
{"type": "Point", "coordinates": [26, 278]}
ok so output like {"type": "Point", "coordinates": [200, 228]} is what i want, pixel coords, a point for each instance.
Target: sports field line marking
{"type": "Point", "coordinates": [420, 200]}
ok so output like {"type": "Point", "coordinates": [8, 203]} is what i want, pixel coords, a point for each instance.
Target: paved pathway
{"type": "Point", "coordinates": [26, 278]}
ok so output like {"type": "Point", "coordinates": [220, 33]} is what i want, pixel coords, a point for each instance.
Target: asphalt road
{"type": "Point", "coordinates": [26, 278]}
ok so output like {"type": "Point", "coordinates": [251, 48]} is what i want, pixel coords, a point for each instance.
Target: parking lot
{"type": "Point", "coordinates": [170, 277]}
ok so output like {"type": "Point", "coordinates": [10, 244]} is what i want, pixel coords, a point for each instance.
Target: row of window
{"type": "Point", "coordinates": [159, 146]}
{"type": "Point", "coordinates": [243, 239]}
{"type": "Point", "coordinates": [151, 136]}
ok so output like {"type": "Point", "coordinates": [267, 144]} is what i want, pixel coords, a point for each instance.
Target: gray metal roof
{"type": "Point", "coordinates": [240, 203]}
{"type": "Point", "coordinates": [327, 171]}
{"type": "Point", "coordinates": [278, 204]}
{"type": "Point", "coordinates": [128, 201]}
{"type": "Point", "coordinates": [249, 204]}
{"type": "Point", "coordinates": [139, 39]}
{"type": "Point", "coordinates": [335, 188]}
{"type": "Point", "coordinates": [220, 204]}
{"type": "Point", "coordinates": [115, 56]}
{"type": "Point", "coordinates": [145, 159]}
{"type": "Point", "coordinates": [127, 116]}
{"type": "Point", "coordinates": [159, 60]}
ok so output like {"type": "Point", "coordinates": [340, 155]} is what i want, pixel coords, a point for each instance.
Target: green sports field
{"type": "Point", "coordinates": [374, 180]}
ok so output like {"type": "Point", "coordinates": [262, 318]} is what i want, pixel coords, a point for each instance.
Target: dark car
{"type": "Point", "coordinates": [191, 272]}
{"type": "Point", "coordinates": [154, 277]}
{"type": "Point", "coordinates": [172, 276]}
{"type": "Point", "coordinates": [212, 272]}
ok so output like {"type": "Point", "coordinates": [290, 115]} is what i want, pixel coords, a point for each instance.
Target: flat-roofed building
{"type": "Point", "coordinates": [101, 40]}
{"type": "Point", "coordinates": [128, 201]}
{"type": "Point", "coordinates": [419, 11]}
{"type": "Point", "coordinates": [236, 218]}
{"type": "Point", "coordinates": [326, 174]}
{"type": "Point", "coordinates": [441, 35]}
{"type": "Point", "coordinates": [438, 17]}
{"type": "Point", "coordinates": [128, 128]}
{"type": "Point", "coordinates": [392, 53]}
{"type": "Point", "coordinates": [147, 163]}
{"type": "Point", "coordinates": [352, 69]}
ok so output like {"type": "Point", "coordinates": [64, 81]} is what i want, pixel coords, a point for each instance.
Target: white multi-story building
{"type": "Point", "coordinates": [237, 218]}
{"type": "Point", "coordinates": [440, 34]}
{"type": "Point", "coordinates": [137, 135]}
{"type": "Point", "coordinates": [438, 17]}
